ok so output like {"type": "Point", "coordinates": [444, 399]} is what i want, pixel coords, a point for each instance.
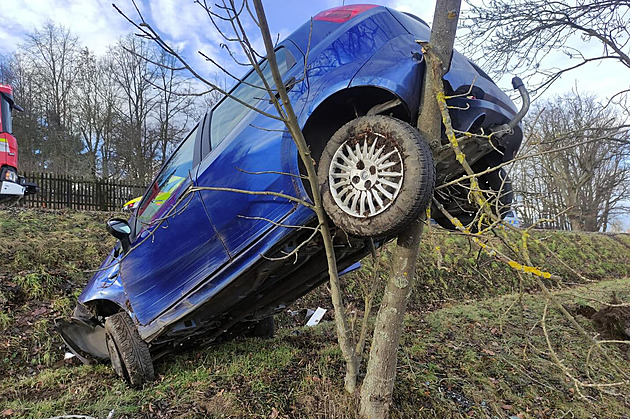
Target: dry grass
{"type": "Point", "coordinates": [469, 347]}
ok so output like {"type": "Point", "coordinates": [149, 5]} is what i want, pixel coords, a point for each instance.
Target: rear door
{"type": "Point", "coordinates": [175, 245]}
{"type": "Point", "coordinates": [251, 152]}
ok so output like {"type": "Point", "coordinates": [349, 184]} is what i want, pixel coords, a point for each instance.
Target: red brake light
{"type": "Point", "coordinates": [343, 14]}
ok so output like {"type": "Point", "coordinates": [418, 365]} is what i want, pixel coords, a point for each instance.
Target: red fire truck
{"type": "Point", "coordinates": [12, 186]}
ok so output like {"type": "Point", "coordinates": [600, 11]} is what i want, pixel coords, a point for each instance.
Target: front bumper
{"type": "Point", "coordinates": [12, 188]}
{"type": "Point", "coordinates": [83, 336]}
{"type": "Point", "coordinates": [10, 192]}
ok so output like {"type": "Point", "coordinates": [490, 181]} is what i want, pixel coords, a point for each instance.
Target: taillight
{"type": "Point", "coordinates": [343, 14]}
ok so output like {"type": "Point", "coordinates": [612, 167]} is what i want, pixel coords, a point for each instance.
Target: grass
{"type": "Point", "coordinates": [470, 349]}
{"type": "Point", "coordinates": [479, 359]}
{"type": "Point", "coordinates": [45, 256]}
{"type": "Point", "coordinates": [490, 359]}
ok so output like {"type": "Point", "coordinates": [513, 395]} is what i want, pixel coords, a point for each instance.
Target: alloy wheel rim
{"type": "Point", "coordinates": [366, 175]}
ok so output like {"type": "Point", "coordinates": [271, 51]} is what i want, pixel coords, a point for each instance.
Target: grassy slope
{"type": "Point", "coordinates": [485, 358]}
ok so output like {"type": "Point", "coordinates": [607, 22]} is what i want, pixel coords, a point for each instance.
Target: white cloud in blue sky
{"type": "Point", "coordinates": [185, 24]}
{"type": "Point", "coordinates": [94, 21]}
{"type": "Point", "coordinates": [97, 24]}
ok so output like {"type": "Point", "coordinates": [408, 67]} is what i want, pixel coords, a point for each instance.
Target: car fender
{"type": "Point", "coordinates": [324, 87]}
{"type": "Point", "coordinates": [397, 66]}
{"type": "Point", "coordinates": [105, 284]}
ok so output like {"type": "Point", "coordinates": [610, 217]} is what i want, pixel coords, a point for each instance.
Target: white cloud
{"type": "Point", "coordinates": [424, 10]}
{"type": "Point", "coordinates": [179, 19]}
{"type": "Point", "coordinates": [187, 25]}
{"type": "Point", "coordinates": [95, 22]}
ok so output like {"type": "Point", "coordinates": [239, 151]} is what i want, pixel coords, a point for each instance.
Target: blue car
{"type": "Point", "coordinates": [199, 262]}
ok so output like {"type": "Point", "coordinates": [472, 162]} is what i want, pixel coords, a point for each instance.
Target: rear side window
{"type": "Point", "coordinates": [168, 182]}
{"type": "Point", "coordinates": [227, 115]}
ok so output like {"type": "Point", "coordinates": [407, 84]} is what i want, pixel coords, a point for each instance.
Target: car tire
{"type": "Point", "coordinates": [376, 175]}
{"type": "Point", "coordinates": [496, 187]}
{"type": "Point", "coordinates": [129, 354]}
{"type": "Point", "coordinates": [264, 329]}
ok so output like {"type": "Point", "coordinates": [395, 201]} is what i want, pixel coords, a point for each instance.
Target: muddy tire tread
{"type": "Point", "coordinates": [418, 182]}
{"type": "Point", "coordinates": [133, 351]}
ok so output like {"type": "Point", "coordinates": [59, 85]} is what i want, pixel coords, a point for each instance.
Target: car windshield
{"type": "Point", "coordinates": [168, 181]}
{"type": "Point", "coordinates": [230, 112]}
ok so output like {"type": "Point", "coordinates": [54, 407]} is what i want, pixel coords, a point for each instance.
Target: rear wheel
{"type": "Point", "coordinates": [129, 354]}
{"type": "Point", "coordinates": [376, 176]}
{"type": "Point", "coordinates": [265, 329]}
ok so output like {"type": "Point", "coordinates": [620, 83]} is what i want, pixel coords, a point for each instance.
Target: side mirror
{"type": "Point", "coordinates": [120, 229]}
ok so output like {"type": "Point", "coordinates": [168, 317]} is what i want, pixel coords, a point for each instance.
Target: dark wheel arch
{"type": "Point", "coordinates": [102, 307]}
{"type": "Point", "coordinates": [344, 106]}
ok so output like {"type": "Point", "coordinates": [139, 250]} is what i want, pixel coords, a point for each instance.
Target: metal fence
{"type": "Point", "coordinates": [75, 192]}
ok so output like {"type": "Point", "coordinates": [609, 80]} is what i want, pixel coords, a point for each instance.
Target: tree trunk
{"type": "Point", "coordinates": [343, 332]}
{"type": "Point", "coordinates": [378, 385]}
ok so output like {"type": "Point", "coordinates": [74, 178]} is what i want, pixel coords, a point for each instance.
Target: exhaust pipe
{"type": "Point", "coordinates": [508, 128]}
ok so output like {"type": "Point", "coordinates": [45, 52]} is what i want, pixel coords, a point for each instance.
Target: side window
{"type": "Point", "coordinates": [168, 182]}
{"type": "Point", "coordinates": [5, 108]}
{"type": "Point", "coordinates": [230, 112]}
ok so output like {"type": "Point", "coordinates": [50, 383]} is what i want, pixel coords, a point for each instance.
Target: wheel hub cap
{"type": "Point", "coordinates": [366, 175]}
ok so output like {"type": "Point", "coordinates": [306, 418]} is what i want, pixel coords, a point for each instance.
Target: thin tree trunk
{"type": "Point", "coordinates": [376, 392]}
{"type": "Point", "coordinates": [343, 335]}
{"type": "Point", "coordinates": [378, 385]}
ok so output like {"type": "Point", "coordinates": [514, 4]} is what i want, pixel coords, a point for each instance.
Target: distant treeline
{"type": "Point", "coordinates": [117, 115]}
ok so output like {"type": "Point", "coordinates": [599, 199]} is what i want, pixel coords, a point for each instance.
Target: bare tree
{"type": "Point", "coordinates": [578, 165]}
{"type": "Point", "coordinates": [174, 106]}
{"type": "Point", "coordinates": [520, 37]}
{"type": "Point", "coordinates": [51, 56]}
{"type": "Point", "coordinates": [116, 115]}
{"type": "Point", "coordinates": [135, 78]}
{"type": "Point", "coordinates": [108, 95]}
{"type": "Point", "coordinates": [378, 385]}
{"type": "Point", "coordinates": [90, 113]}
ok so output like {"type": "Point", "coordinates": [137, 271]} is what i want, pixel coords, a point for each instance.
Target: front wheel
{"type": "Point", "coordinates": [128, 353]}
{"type": "Point", "coordinates": [376, 175]}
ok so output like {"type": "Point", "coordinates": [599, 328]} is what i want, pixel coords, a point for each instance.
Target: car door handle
{"type": "Point", "coordinates": [287, 86]}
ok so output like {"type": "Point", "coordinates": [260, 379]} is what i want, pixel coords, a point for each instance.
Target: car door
{"type": "Point", "coordinates": [252, 152]}
{"type": "Point", "coordinates": [175, 246]}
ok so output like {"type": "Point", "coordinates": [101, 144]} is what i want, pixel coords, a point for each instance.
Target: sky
{"type": "Point", "coordinates": [97, 24]}
{"type": "Point", "coordinates": [184, 24]}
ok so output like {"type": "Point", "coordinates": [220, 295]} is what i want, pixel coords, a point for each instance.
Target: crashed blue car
{"type": "Point", "coordinates": [199, 262]}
